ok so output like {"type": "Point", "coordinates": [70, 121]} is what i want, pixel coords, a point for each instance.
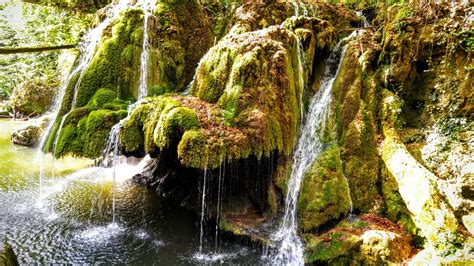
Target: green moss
{"type": "Point", "coordinates": [192, 149]}
{"type": "Point", "coordinates": [121, 48]}
{"type": "Point", "coordinates": [272, 200]}
{"type": "Point", "coordinates": [339, 245]}
{"type": "Point", "coordinates": [224, 225]}
{"type": "Point", "coordinates": [183, 36]}
{"type": "Point", "coordinates": [356, 106]}
{"type": "Point", "coordinates": [324, 194]}
{"type": "Point", "coordinates": [85, 132]}
{"type": "Point", "coordinates": [175, 120]}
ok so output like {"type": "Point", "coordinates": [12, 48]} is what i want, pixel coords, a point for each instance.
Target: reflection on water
{"type": "Point", "coordinates": [69, 220]}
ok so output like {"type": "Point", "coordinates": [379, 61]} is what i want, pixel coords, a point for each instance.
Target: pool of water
{"type": "Point", "coordinates": [70, 219]}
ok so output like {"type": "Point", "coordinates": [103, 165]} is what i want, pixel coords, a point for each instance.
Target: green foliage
{"type": "Point", "coordinates": [23, 24]}
{"type": "Point", "coordinates": [34, 96]}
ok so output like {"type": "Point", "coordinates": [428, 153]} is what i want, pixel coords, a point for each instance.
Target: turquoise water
{"type": "Point", "coordinates": [69, 218]}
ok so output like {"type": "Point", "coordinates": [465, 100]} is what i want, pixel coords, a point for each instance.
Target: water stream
{"type": "Point", "coordinates": [308, 147]}
{"type": "Point", "coordinates": [87, 50]}
{"type": "Point", "coordinates": [111, 152]}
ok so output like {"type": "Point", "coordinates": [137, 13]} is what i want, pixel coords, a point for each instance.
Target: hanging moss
{"type": "Point", "coordinates": [86, 129]}
{"type": "Point", "coordinates": [116, 64]}
{"type": "Point", "coordinates": [248, 103]}
{"type": "Point", "coordinates": [180, 36]}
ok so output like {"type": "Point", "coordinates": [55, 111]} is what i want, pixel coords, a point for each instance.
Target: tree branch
{"type": "Point", "coordinates": [34, 49]}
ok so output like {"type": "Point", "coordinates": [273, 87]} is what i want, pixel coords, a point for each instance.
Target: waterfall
{"type": "Point", "coordinates": [143, 88]}
{"type": "Point", "coordinates": [308, 147]}
{"type": "Point", "coordinates": [87, 50]}
{"type": "Point", "coordinates": [112, 145]}
{"type": "Point", "coordinates": [220, 190]}
{"type": "Point", "coordinates": [92, 39]}
{"type": "Point", "coordinates": [203, 209]}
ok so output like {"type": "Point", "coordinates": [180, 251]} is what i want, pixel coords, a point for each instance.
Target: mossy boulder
{"type": "Point", "coordinates": [34, 97]}
{"type": "Point", "coordinates": [324, 194]}
{"type": "Point", "coordinates": [86, 129]}
{"type": "Point", "coordinates": [366, 240]}
{"type": "Point", "coordinates": [179, 35]}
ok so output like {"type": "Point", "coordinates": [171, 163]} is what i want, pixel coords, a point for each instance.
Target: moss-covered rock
{"type": "Point", "coordinates": [247, 101]}
{"type": "Point", "coordinates": [419, 190]}
{"type": "Point", "coordinates": [367, 240]}
{"type": "Point", "coordinates": [86, 129]}
{"type": "Point", "coordinates": [356, 105]}
{"type": "Point", "coordinates": [324, 194]}
{"type": "Point", "coordinates": [179, 35]}
{"type": "Point", "coordinates": [34, 97]}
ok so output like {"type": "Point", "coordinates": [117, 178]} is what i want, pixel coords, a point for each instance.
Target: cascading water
{"type": "Point", "coordinates": [309, 146]}
{"type": "Point", "coordinates": [92, 39]}
{"type": "Point", "coordinates": [203, 209]}
{"type": "Point", "coordinates": [111, 151]}
{"type": "Point", "coordinates": [220, 188]}
{"type": "Point", "coordinates": [143, 88]}
{"type": "Point", "coordinates": [87, 50]}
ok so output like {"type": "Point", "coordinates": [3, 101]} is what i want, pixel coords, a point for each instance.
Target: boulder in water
{"type": "Point", "coordinates": [27, 136]}
{"type": "Point", "coordinates": [7, 255]}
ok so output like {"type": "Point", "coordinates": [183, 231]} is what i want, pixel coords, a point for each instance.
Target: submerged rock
{"type": "Point", "coordinates": [7, 255]}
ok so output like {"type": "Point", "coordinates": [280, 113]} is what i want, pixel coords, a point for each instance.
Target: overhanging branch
{"type": "Point", "coordinates": [34, 49]}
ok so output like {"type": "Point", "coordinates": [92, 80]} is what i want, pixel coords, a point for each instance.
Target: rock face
{"type": "Point", "coordinates": [368, 240]}
{"type": "Point", "coordinates": [325, 194]}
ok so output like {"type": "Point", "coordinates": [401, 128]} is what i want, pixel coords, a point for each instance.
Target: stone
{"type": "Point", "coordinates": [27, 136]}
{"type": "Point", "coordinates": [7, 255]}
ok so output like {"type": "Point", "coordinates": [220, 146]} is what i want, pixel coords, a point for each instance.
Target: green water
{"type": "Point", "coordinates": [20, 166]}
{"type": "Point", "coordinates": [68, 219]}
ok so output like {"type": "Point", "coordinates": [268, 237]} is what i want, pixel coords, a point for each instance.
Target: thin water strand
{"type": "Point", "coordinates": [144, 57]}
{"type": "Point", "coordinates": [203, 210]}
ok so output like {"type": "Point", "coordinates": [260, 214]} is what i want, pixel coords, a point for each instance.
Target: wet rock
{"type": "Point", "coordinates": [324, 194]}
{"type": "Point", "coordinates": [419, 188]}
{"type": "Point", "coordinates": [28, 136]}
{"type": "Point", "coordinates": [7, 255]}
{"type": "Point", "coordinates": [379, 247]}
{"type": "Point", "coordinates": [368, 240]}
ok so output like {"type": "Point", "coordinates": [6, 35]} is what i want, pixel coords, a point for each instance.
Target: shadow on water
{"type": "Point", "coordinates": [70, 222]}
